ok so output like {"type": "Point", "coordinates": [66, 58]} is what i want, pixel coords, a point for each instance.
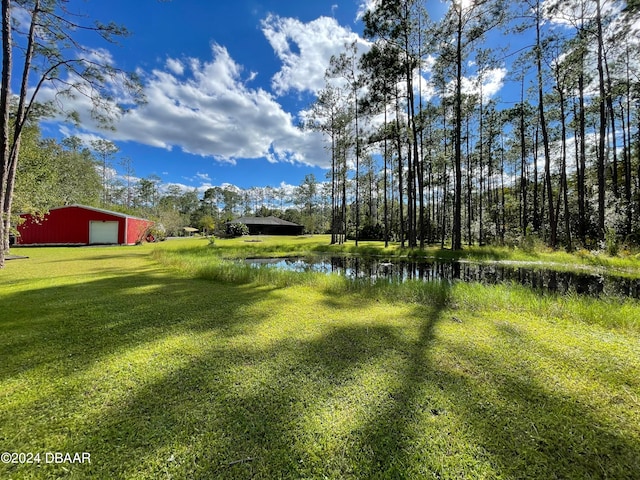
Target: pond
{"type": "Point", "coordinates": [400, 270]}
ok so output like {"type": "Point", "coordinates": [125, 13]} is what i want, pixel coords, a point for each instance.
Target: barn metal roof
{"type": "Point", "coordinates": [265, 221]}
{"type": "Point", "coordinates": [101, 210]}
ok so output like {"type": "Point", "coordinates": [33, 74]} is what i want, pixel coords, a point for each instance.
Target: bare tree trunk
{"type": "Point", "coordinates": [502, 189]}
{"type": "Point", "coordinates": [536, 193]}
{"type": "Point", "coordinates": [386, 201]}
{"type": "Point", "coordinates": [456, 240]}
{"type": "Point", "coordinates": [469, 175]}
{"type": "Point", "coordinates": [603, 126]}
{"type": "Point", "coordinates": [4, 133]}
{"type": "Point", "coordinates": [523, 163]}
{"type": "Point", "coordinates": [334, 200]}
{"type": "Point", "coordinates": [400, 196]}
{"type": "Point", "coordinates": [545, 135]}
{"type": "Point", "coordinates": [582, 165]}
{"type": "Point", "coordinates": [563, 174]}
{"type": "Point", "coordinates": [9, 173]}
{"type": "Point", "coordinates": [626, 136]}
{"type": "Point", "coordinates": [355, 93]}
{"type": "Point", "coordinates": [612, 120]}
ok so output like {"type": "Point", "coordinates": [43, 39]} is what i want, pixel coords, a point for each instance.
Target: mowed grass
{"type": "Point", "coordinates": [168, 362]}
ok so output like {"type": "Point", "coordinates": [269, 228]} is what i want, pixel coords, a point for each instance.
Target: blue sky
{"type": "Point", "coordinates": [225, 82]}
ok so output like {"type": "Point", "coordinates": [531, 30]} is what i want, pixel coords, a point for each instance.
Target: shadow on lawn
{"type": "Point", "coordinates": [533, 429]}
{"type": "Point", "coordinates": [243, 413]}
{"type": "Point", "coordinates": [282, 409]}
{"type": "Point", "coordinates": [70, 327]}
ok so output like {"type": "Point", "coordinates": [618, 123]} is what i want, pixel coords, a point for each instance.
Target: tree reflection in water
{"type": "Point", "coordinates": [544, 280]}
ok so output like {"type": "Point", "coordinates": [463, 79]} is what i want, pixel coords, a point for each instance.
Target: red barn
{"type": "Point", "coordinates": [81, 225]}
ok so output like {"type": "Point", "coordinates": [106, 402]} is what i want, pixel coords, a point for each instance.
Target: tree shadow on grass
{"type": "Point", "coordinates": [385, 442]}
{"type": "Point", "coordinates": [257, 412]}
{"type": "Point", "coordinates": [67, 328]}
{"type": "Point", "coordinates": [232, 412]}
{"type": "Point", "coordinates": [535, 428]}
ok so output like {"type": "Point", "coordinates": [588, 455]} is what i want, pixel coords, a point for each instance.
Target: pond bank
{"type": "Point", "coordinates": [586, 281]}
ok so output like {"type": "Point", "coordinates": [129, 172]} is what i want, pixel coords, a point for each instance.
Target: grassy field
{"type": "Point", "coordinates": [167, 361]}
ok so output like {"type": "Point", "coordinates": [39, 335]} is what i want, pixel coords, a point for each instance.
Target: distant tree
{"type": "Point", "coordinates": [207, 224]}
{"type": "Point", "coordinates": [345, 67]}
{"type": "Point", "coordinates": [36, 176]}
{"type": "Point", "coordinates": [238, 229]}
{"type": "Point", "coordinates": [382, 72]}
{"type": "Point", "coordinates": [293, 215]}
{"type": "Point", "coordinates": [211, 200]}
{"type": "Point", "coordinates": [148, 192]}
{"type": "Point", "coordinates": [49, 175]}
{"type": "Point", "coordinates": [187, 202]}
{"type": "Point", "coordinates": [331, 115]}
{"type": "Point", "coordinates": [78, 179]}
{"type": "Point", "coordinates": [172, 221]}
{"type": "Point", "coordinates": [231, 200]}
{"type": "Point", "coordinates": [306, 195]}
{"type": "Point", "coordinates": [396, 26]}
{"type": "Point", "coordinates": [105, 151]}
{"type": "Point", "coordinates": [129, 172]}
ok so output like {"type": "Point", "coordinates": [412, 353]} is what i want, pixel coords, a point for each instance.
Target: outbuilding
{"type": "Point", "coordinates": [82, 225]}
{"type": "Point", "coordinates": [269, 226]}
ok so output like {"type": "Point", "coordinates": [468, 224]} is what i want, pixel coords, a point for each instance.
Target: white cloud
{"type": "Point", "coordinates": [492, 82]}
{"type": "Point", "coordinates": [21, 17]}
{"type": "Point", "coordinates": [230, 187]}
{"type": "Point", "coordinates": [287, 188]}
{"type": "Point", "coordinates": [175, 66]}
{"type": "Point", "coordinates": [207, 111]}
{"type": "Point", "coordinates": [85, 137]}
{"type": "Point", "coordinates": [99, 56]}
{"type": "Point", "coordinates": [365, 6]}
{"type": "Point", "coordinates": [186, 188]}
{"type": "Point", "coordinates": [305, 50]}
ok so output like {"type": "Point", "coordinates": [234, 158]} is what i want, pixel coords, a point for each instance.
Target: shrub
{"type": "Point", "coordinates": [238, 229]}
{"type": "Point", "coordinates": [155, 233]}
{"type": "Point", "coordinates": [372, 232]}
{"type": "Point", "coordinates": [531, 243]}
{"type": "Point", "coordinates": [611, 242]}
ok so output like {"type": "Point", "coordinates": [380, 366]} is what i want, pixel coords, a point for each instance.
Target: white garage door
{"type": "Point", "coordinates": [103, 232]}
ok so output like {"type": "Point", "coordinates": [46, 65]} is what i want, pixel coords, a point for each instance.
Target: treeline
{"type": "Point", "coordinates": [53, 173]}
{"type": "Point", "coordinates": [422, 153]}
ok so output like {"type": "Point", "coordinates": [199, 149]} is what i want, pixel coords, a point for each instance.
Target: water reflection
{"type": "Point", "coordinates": [434, 270]}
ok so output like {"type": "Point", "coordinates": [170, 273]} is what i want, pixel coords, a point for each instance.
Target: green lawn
{"type": "Point", "coordinates": [166, 361]}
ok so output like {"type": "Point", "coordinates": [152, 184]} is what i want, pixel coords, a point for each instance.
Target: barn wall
{"type": "Point", "coordinates": [65, 226]}
{"type": "Point", "coordinates": [136, 229]}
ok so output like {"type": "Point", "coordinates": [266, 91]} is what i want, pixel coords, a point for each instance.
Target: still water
{"type": "Point", "coordinates": [582, 283]}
